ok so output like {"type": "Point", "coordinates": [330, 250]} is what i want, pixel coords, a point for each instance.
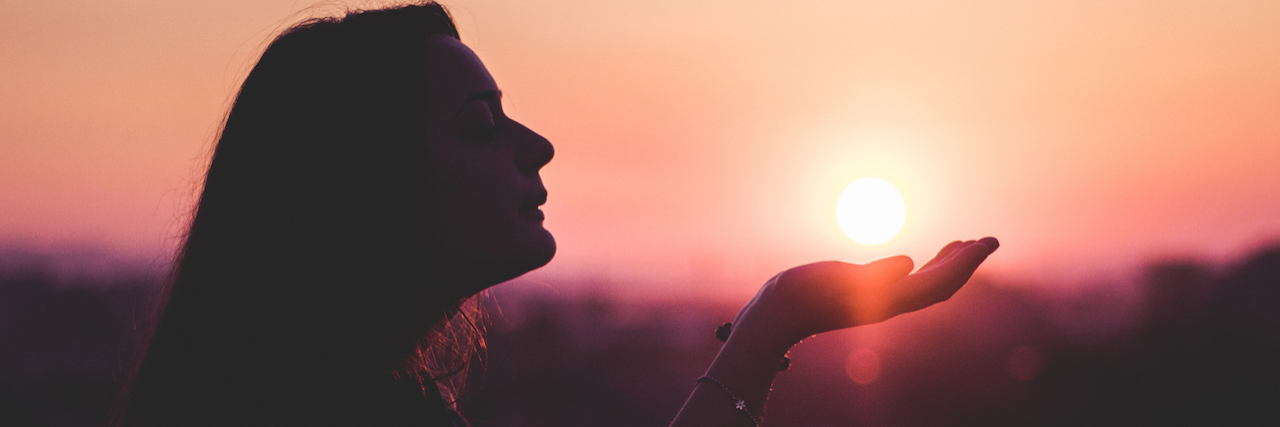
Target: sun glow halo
{"type": "Point", "coordinates": [870, 211]}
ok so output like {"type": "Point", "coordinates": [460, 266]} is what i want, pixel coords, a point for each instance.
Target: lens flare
{"type": "Point", "coordinates": [870, 211]}
{"type": "Point", "coordinates": [863, 366]}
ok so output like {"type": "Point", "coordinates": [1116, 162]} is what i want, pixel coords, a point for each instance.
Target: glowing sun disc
{"type": "Point", "coordinates": [870, 211]}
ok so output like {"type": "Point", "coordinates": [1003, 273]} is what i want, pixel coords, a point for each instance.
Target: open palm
{"type": "Point", "coordinates": [825, 296]}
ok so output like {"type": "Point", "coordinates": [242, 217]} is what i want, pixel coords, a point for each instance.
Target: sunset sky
{"type": "Point", "coordinates": [703, 142]}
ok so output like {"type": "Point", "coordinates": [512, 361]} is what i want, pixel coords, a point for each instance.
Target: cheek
{"type": "Point", "coordinates": [481, 200]}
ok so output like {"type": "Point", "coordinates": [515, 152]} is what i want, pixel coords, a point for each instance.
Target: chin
{"type": "Point", "coordinates": [540, 250]}
{"type": "Point", "coordinates": [526, 255]}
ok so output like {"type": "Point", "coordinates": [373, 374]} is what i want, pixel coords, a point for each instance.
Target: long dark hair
{"type": "Point", "coordinates": [306, 284]}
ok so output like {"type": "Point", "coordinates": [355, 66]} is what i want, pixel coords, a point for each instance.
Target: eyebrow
{"type": "Point", "coordinates": [487, 95]}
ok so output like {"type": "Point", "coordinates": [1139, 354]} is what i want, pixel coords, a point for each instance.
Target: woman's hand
{"type": "Point", "coordinates": [825, 296]}
{"type": "Point", "coordinates": [812, 299]}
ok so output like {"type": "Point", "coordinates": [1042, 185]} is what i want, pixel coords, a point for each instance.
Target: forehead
{"type": "Point", "coordinates": [454, 72]}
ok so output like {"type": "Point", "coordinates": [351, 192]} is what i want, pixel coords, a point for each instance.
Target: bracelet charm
{"type": "Point", "coordinates": [739, 404]}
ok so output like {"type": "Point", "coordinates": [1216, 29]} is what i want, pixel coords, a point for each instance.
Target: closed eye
{"type": "Point", "coordinates": [491, 97]}
{"type": "Point", "coordinates": [476, 121]}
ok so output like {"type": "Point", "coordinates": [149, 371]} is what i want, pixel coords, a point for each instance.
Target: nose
{"type": "Point", "coordinates": [533, 151]}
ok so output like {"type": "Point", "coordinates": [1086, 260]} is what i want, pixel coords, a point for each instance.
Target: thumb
{"type": "Point", "coordinates": [889, 269]}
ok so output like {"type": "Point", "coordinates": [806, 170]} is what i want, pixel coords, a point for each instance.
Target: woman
{"type": "Point", "coordinates": [365, 185]}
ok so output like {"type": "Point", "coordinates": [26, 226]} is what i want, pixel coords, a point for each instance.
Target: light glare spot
{"type": "Point", "coordinates": [863, 366]}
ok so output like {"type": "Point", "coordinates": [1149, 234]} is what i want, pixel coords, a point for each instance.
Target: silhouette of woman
{"type": "Point", "coordinates": [365, 185]}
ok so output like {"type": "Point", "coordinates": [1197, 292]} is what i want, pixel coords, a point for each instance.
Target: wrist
{"type": "Point", "coordinates": [765, 333]}
{"type": "Point", "coordinates": [746, 366]}
{"type": "Point", "coordinates": [755, 347]}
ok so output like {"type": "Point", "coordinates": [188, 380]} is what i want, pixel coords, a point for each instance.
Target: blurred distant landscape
{"type": "Point", "coordinates": [1184, 343]}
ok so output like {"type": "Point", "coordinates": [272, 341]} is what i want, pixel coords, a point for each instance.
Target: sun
{"type": "Point", "coordinates": [870, 211]}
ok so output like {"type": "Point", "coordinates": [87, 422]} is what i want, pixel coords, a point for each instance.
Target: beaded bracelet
{"type": "Point", "coordinates": [722, 334]}
{"type": "Point", "coordinates": [739, 404]}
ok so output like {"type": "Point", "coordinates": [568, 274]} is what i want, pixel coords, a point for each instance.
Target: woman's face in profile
{"type": "Point", "coordinates": [487, 165]}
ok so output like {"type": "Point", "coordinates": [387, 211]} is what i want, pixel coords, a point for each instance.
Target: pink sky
{"type": "Point", "coordinates": [706, 142]}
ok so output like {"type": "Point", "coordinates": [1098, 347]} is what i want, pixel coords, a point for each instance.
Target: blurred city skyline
{"type": "Point", "coordinates": [702, 144]}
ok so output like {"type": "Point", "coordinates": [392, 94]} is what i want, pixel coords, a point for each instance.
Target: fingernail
{"type": "Point", "coordinates": [991, 243]}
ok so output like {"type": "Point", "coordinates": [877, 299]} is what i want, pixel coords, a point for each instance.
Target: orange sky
{"type": "Point", "coordinates": [709, 140]}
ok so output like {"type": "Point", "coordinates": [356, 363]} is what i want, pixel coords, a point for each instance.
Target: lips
{"type": "Point", "coordinates": [529, 206]}
{"type": "Point", "coordinates": [534, 214]}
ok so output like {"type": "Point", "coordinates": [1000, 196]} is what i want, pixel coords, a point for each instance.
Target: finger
{"type": "Point", "coordinates": [991, 243]}
{"type": "Point", "coordinates": [960, 265]}
{"type": "Point", "coordinates": [955, 251]}
{"type": "Point", "coordinates": [954, 248]}
{"type": "Point", "coordinates": [942, 254]}
{"type": "Point", "coordinates": [926, 288]}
